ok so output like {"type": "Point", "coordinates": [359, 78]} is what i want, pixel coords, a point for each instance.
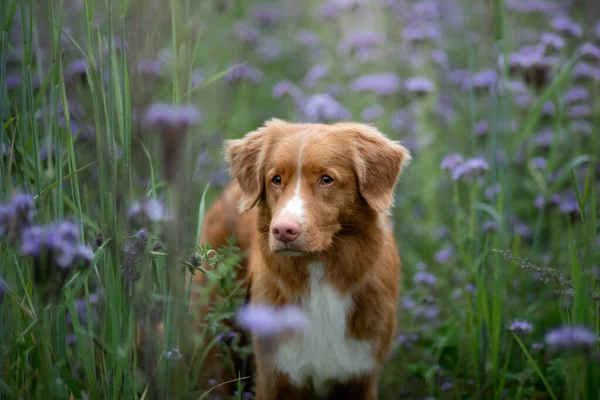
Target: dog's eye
{"type": "Point", "coordinates": [326, 180]}
{"type": "Point", "coordinates": [276, 180]}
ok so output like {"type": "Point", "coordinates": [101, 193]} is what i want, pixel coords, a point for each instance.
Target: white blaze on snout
{"type": "Point", "coordinates": [294, 209]}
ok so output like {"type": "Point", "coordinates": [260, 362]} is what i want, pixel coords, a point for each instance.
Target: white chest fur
{"type": "Point", "coordinates": [324, 352]}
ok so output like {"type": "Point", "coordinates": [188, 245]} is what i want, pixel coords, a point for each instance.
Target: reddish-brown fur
{"type": "Point", "coordinates": [346, 230]}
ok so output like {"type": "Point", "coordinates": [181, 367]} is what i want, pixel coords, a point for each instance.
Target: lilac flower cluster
{"type": "Point", "coordinates": [521, 328]}
{"type": "Point", "coordinates": [267, 321]}
{"type": "Point", "coordinates": [55, 245]}
{"type": "Point", "coordinates": [16, 216]}
{"type": "Point", "coordinates": [146, 211]}
{"type": "Point", "coordinates": [571, 338]}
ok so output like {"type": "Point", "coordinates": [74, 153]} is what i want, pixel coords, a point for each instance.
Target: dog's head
{"type": "Point", "coordinates": [311, 179]}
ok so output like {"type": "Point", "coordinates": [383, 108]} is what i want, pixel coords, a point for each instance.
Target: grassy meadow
{"type": "Point", "coordinates": [113, 114]}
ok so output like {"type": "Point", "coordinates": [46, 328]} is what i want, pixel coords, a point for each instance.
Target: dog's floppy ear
{"type": "Point", "coordinates": [379, 162]}
{"type": "Point", "coordinates": [245, 157]}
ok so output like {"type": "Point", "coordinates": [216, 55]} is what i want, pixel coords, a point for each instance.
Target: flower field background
{"type": "Point", "coordinates": [113, 115]}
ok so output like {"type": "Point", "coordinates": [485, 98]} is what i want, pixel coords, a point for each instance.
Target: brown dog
{"type": "Point", "coordinates": [313, 202]}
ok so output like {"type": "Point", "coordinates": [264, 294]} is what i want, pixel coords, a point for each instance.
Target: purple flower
{"type": "Point", "coordinates": [568, 27]}
{"type": "Point", "coordinates": [446, 386]}
{"type": "Point", "coordinates": [170, 118]}
{"type": "Point", "coordinates": [538, 163]}
{"type": "Point", "coordinates": [583, 70]}
{"type": "Point", "coordinates": [322, 108]}
{"type": "Point", "coordinates": [419, 86]}
{"type": "Point", "coordinates": [382, 84]}
{"type": "Point", "coordinates": [173, 123]}
{"type": "Point", "coordinates": [579, 111]}
{"type": "Point", "coordinates": [77, 70]}
{"type": "Point", "coordinates": [451, 161]}
{"type": "Point", "coordinates": [492, 191]}
{"type": "Point", "coordinates": [552, 41]}
{"type": "Point", "coordinates": [421, 33]}
{"type": "Point", "coordinates": [523, 230]}
{"type": "Point", "coordinates": [532, 65]}
{"type": "Point", "coordinates": [246, 33]}
{"type": "Point", "coordinates": [315, 74]}
{"type": "Point", "coordinates": [150, 210]}
{"type": "Point", "coordinates": [267, 14]}
{"type": "Point", "coordinates": [470, 168]}
{"type": "Point", "coordinates": [571, 338]}
{"type": "Point", "coordinates": [307, 38]}
{"type": "Point", "coordinates": [483, 80]}
{"type": "Point", "coordinates": [521, 328]}
{"type": "Point", "coordinates": [576, 94]}
{"type": "Point", "coordinates": [149, 67]}
{"type": "Point", "coordinates": [244, 72]}
{"type": "Point", "coordinates": [425, 278]}
{"type": "Point", "coordinates": [590, 52]}
{"type": "Point", "coordinates": [361, 41]}
{"type": "Point", "coordinates": [16, 216]}
{"type": "Point", "coordinates": [489, 227]}
{"type": "Point", "coordinates": [287, 88]}
{"type": "Point", "coordinates": [581, 126]}
{"type": "Point", "coordinates": [197, 77]}
{"type": "Point", "coordinates": [54, 245]}
{"type": "Point", "coordinates": [371, 113]}
{"type": "Point", "coordinates": [267, 321]}
{"type": "Point", "coordinates": [445, 255]}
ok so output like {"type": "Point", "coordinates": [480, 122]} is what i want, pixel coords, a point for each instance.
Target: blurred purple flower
{"type": "Point", "coordinates": [576, 94]}
{"type": "Point", "coordinates": [571, 338]}
{"type": "Point", "coordinates": [244, 72]}
{"type": "Point", "coordinates": [149, 67]}
{"type": "Point", "coordinates": [470, 168]}
{"type": "Point", "coordinates": [54, 245]}
{"type": "Point", "coordinates": [459, 77]}
{"type": "Point", "coordinates": [246, 33]}
{"type": "Point", "coordinates": [150, 210]}
{"type": "Point", "coordinates": [579, 111]}
{"type": "Point", "coordinates": [419, 86]}
{"type": "Point", "coordinates": [267, 14]}
{"type": "Point", "coordinates": [492, 191]}
{"type": "Point", "coordinates": [590, 52]}
{"type": "Point", "coordinates": [424, 278]}
{"type": "Point", "coordinates": [371, 113]}
{"type": "Point", "coordinates": [172, 119]}
{"type": "Point", "coordinates": [566, 26]}
{"type": "Point", "coordinates": [307, 38]}
{"type": "Point", "coordinates": [538, 163]}
{"type": "Point", "coordinates": [439, 57]}
{"type": "Point", "coordinates": [315, 74]}
{"type": "Point", "coordinates": [521, 328]}
{"type": "Point", "coordinates": [322, 108]}
{"type": "Point", "coordinates": [489, 227]}
{"type": "Point", "coordinates": [583, 70]}
{"type": "Point", "coordinates": [482, 80]}
{"type": "Point", "coordinates": [361, 41]}
{"type": "Point", "coordinates": [382, 84]}
{"type": "Point", "coordinates": [284, 88]}
{"type": "Point", "coordinates": [421, 33]}
{"type": "Point", "coordinates": [445, 255]}
{"type": "Point", "coordinates": [581, 126]}
{"type": "Point", "coordinates": [451, 161]}
{"type": "Point", "coordinates": [197, 77]}
{"type": "Point", "coordinates": [12, 81]}
{"type": "Point", "coordinates": [543, 140]}
{"type": "Point", "coordinates": [482, 129]}
{"type": "Point", "coordinates": [77, 70]}
{"type": "Point", "coordinates": [522, 230]}
{"type": "Point", "coordinates": [446, 386]}
{"type": "Point", "coordinates": [552, 41]}
{"type": "Point", "coordinates": [16, 216]}
{"type": "Point", "coordinates": [267, 321]}
{"type": "Point", "coordinates": [532, 65]}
